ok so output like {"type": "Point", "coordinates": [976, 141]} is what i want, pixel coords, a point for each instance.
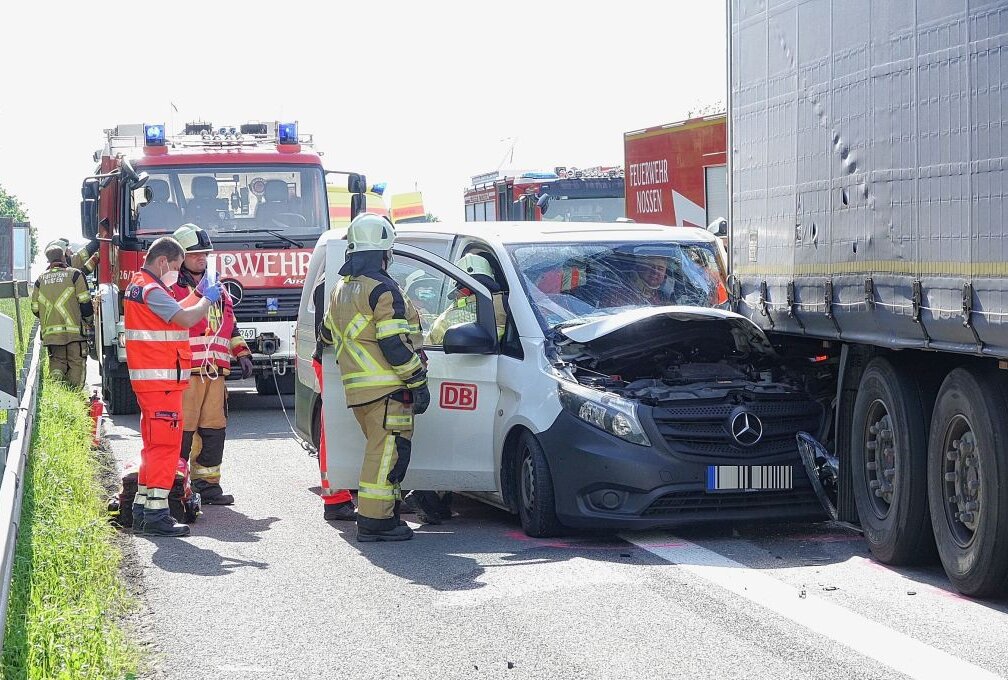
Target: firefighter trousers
{"type": "Point", "coordinates": [330, 496]}
{"type": "Point", "coordinates": [161, 433]}
{"type": "Point", "coordinates": [205, 412]}
{"type": "Point", "coordinates": [67, 362]}
{"type": "Point", "coordinates": [388, 426]}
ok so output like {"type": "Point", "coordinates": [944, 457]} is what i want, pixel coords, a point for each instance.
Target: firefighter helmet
{"type": "Point", "coordinates": [193, 239]}
{"type": "Point", "coordinates": [368, 231]}
{"type": "Point", "coordinates": [473, 264]}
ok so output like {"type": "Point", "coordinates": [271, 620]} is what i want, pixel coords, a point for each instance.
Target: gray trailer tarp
{"type": "Point", "coordinates": [868, 170]}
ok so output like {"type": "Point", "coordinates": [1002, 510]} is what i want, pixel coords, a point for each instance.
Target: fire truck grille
{"type": "Point", "coordinates": [268, 305]}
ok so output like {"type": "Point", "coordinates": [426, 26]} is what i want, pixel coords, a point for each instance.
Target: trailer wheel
{"type": "Point", "coordinates": [889, 464]}
{"type": "Point", "coordinates": [967, 481]}
{"type": "Point", "coordinates": [536, 504]}
{"type": "Point", "coordinates": [118, 393]}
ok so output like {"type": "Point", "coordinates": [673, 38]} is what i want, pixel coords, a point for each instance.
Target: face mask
{"type": "Point", "coordinates": [170, 277]}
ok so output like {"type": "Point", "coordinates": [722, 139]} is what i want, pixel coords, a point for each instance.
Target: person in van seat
{"type": "Point", "coordinates": [375, 330]}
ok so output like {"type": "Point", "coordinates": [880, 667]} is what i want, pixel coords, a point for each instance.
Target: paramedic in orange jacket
{"type": "Point", "coordinates": [158, 357]}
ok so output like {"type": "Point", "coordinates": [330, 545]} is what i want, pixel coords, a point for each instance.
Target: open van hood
{"type": "Point", "coordinates": [685, 328]}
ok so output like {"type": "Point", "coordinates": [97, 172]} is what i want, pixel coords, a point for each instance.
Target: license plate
{"type": "Point", "coordinates": [248, 333]}
{"type": "Point", "coordinates": [749, 477]}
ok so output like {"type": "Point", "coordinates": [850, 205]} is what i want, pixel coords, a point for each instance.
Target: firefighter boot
{"type": "Point", "coordinates": [206, 467]}
{"type": "Point", "coordinates": [381, 530]}
{"type": "Point", "coordinates": [157, 520]}
{"type": "Point", "coordinates": [340, 512]}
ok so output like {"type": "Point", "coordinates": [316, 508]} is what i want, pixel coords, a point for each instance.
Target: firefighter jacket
{"type": "Point", "coordinates": [157, 351]}
{"type": "Point", "coordinates": [376, 333]}
{"type": "Point", "coordinates": [464, 311]}
{"type": "Point", "coordinates": [61, 301]}
{"type": "Point", "coordinates": [216, 338]}
{"type": "Point", "coordinates": [86, 259]}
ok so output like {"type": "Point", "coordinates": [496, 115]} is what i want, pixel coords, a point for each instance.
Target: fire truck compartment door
{"type": "Point", "coordinates": [453, 441]}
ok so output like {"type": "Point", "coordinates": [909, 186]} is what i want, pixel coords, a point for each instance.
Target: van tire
{"type": "Point", "coordinates": [890, 415]}
{"type": "Point", "coordinates": [972, 541]}
{"type": "Point", "coordinates": [534, 489]}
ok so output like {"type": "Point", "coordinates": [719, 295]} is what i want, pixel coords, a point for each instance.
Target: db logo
{"type": "Point", "coordinates": [458, 396]}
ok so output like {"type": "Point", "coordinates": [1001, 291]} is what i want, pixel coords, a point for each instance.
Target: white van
{"type": "Point", "coordinates": [622, 395]}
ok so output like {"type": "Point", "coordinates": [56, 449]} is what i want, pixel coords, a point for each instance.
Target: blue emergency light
{"type": "Point", "coordinates": [154, 135]}
{"type": "Point", "coordinates": [287, 133]}
{"type": "Point", "coordinates": [378, 188]}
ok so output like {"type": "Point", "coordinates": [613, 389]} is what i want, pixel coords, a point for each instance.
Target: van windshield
{"type": "Point", "coordinates": [231, 200]}
{"type": "Point", "coordinates": [569, 282]}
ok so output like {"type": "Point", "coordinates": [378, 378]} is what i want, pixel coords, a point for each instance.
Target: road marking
{"type": "Point", "coordinates": [900, 652]}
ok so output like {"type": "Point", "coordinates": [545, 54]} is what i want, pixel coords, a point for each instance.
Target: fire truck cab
{"type": "Point", "coordinates": [560, 195]}
{"type": "Point", "coordinates": [258, 190]}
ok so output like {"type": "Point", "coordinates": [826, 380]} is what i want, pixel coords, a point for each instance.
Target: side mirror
{"type": "Point", "coordinates": [543, 203]}
{"type": "Point", "coordinates": [89, 208]}
{"type": "Point", "coordinates": [140, 180]}
{"type": "Point", "coordinates": [719, 227]}
{"type": "Point", "coordinates": [358, 204]}
{"type": "Point", "coordinates": [356, 183]}
{"type": "Point", "coordinates": [468, 338]}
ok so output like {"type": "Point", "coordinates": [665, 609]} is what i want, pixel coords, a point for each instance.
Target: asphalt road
{"type": "Point", "coordinates": [267, 589]}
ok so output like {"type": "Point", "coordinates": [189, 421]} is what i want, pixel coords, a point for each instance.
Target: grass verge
{"type": "Point", "coordinates": [27, 321]}
{"type": "Point", "coordinates": [64, 617]}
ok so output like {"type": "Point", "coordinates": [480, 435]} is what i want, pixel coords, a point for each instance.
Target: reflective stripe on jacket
{"type": "Point", "coordinates": [56, 300]}
{"type": "Point", "coordinates": [157, 352]}
{"type": "Point", "coordinates": [214, 339]}
{"type": "Point", "coordinates": [464, 311]}
{"type": "Point", "coordinates": [363, 311]}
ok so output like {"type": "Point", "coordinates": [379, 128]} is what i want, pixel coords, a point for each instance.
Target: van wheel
{"type": "Point", "coordinates": [536, 504]}
{"type": "Point", "coordinates": [967, 479]}
{"type": "Point", "coordinates": [889, 464]}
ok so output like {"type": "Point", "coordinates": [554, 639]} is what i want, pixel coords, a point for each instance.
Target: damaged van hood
{"type": "Point", "coordinates": [685, 328]}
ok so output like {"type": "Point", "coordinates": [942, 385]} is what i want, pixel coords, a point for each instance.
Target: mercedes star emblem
{"type": "Point", "coordinates": [746, 428]}
{"type": "Point", "coordinates": [234, 289]}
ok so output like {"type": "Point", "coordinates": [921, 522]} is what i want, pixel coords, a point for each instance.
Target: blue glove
{"type": "Point", "coordinates": [208, 281]}
{"type": "Point", "coordinates": [212, 293]}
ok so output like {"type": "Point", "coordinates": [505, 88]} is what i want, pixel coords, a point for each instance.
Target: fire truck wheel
{"type": "Point", "coordinates": [889, 463]}
{"type": "Point", "coordinates": [119, 396]}
{"type": "Point", "coordinates": [967, 479]}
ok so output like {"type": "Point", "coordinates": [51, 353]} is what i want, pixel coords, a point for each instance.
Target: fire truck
{"type": "Point", "coordinates": [677, 173]}
{"type": "Point", "coordinates": [259, 191]}
{"type": "Point", "coordinates": [563, 194]}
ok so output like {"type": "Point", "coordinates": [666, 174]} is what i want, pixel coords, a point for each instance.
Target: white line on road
{"type": "Point", "coordinates": [900, 652]}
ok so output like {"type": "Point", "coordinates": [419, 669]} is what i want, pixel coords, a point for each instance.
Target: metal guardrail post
{"type": "Point", "coordinates": [12, 484]}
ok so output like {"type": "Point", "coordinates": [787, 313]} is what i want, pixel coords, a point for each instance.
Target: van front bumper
{"type": "Point", "coordinates": [603, 482]}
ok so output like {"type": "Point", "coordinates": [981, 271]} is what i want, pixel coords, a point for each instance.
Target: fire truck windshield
{"type": "Point", "coordinates": [562, 209]}
{"type": "Point", "coordinates": [230, 201]}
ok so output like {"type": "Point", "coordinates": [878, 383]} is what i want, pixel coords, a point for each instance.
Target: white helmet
{"type": "Point", "coordinates": [473, 264]}
{"type": "Point", "coordinates": [368, 231]}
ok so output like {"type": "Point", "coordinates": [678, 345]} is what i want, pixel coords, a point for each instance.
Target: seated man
{"type": "Point", "coordinates": [158, 213]}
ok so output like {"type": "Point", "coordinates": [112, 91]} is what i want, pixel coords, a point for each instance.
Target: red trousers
{"type": "Point", "coordinates": [161, 432]}
{"type": "Point", "coordinates": [329, 496]}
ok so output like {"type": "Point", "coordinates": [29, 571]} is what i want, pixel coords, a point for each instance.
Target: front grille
{"type": "Point", "coordinates": [692, 502]}
{"type": "Point", "coordinates": [704, 429]}
{"type": "Point", "coordinates": [253, 305]}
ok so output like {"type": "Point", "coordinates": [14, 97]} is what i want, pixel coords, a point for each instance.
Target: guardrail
{"type": "Point", "coordinates": [15, 442]}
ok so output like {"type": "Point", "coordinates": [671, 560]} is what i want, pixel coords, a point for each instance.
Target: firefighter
{"type": "Point", "coordinates": [338, 503]}
{"type": "Point", "coordinates": [377, 337]}
{"type": "Point", "coordinates": [85, 260]}
{"type": "Point", "coordinates": [214, 341]}
{"type": "Point", "coordinates": [62, 302]}
{"type": "Point", "coordinates": [464, 308]}
{"type": "Point", "coordinates": [158, 357]}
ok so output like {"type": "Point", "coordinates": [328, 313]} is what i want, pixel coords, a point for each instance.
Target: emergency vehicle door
{"type": "Point", "coordinates": [453, 440]}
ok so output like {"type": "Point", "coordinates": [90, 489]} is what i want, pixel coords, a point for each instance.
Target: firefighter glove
{"type": "Point", "coordinates": [212, 293]}
{"type": "Point", "coordinates": [421, 399]}
{"type": "Point", "coordinates": [246, 366]}
{"type": "Point", "coordinates": [398, 471]}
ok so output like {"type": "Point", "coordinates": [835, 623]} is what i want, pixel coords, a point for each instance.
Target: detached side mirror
{"type": "Point", "coordinates": [356, 183]}
{"type": "Point", "coordinates": [89, 208]}
{"type": "Point", "coordinates": [468, 338]}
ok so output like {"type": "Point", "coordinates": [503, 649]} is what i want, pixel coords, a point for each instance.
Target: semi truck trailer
{"type": "Point", "coordinates": [867, 175]}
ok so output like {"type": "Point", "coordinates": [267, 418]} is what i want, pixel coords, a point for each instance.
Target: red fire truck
{"type": "Point", "coordinates": [676, 173]}
{"type": "Point", "coordinates": [564, 194]}
{"type": "Point", "coordinates": [258, 189]}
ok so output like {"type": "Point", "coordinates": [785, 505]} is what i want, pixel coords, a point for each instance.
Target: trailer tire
{"type": "Point", "coordinates": [968, 479]}
{"type": "Point", "coordinates": [117, 391]}
{"type": "Point", "coordinates": [889, 450]}
{"type": "Point", "coordinates": [536, 502]}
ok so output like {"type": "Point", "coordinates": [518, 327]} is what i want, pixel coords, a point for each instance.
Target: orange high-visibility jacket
{"type": "Point", "coordinates": [157, 352]}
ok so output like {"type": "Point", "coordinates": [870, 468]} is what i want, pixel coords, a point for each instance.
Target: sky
{"type": "Point", "coordinates": [417, 94]}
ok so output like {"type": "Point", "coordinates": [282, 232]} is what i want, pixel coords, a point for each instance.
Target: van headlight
{"type": "Point", "coordinates": [604, 410]}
